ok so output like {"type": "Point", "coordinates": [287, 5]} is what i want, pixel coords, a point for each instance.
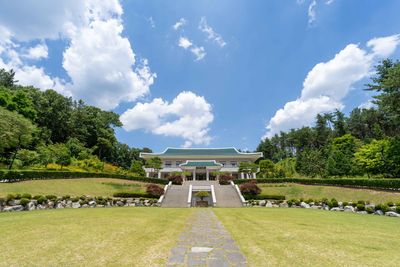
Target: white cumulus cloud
{"type": "Point", "coordinates": [198, 51]}
{"type": "Point", "coordinates": [179, 24]}
{"type": "Point", "coordinates": [188, 116]}
{"type": "Point", "coordinates": [211, 34]}
{"type": "Point", "coordinates": [328, 83]}
{"type": "Point", "coordinates": [37, 52]}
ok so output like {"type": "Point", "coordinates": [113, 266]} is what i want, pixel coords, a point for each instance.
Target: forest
{"type": "Point", "coordinates": [364, 143]}
{"type": "Point", "coordinates": [44, 129]}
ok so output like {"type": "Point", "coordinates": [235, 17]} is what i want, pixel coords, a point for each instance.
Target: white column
{"type": "Point", "coordinates": [242, 175]}
{"type": "Point", "coordinates": [254, 175]}
{"type": "Point", "coordinates": [147, 174]}
{"type": "Point", "coordinates": [159, 175]}
{"type": "Point", "coordinates": [207, 175]}
{"type": "Point", "coordinates": [194, 175]}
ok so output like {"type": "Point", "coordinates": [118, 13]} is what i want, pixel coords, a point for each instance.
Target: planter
{"type": "Point", "coordinates": [201, 203]}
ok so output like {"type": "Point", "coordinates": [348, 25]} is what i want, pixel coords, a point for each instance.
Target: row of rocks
{"type": "Point", "coordinates": [16, 205]}
{"type": "Point", "coordinates": [321, 206]}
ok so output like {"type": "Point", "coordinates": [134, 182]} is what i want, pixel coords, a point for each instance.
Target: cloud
{"type": "Point", "coordinates": [328, 83]}
{"type": "Point", "coordinates": [312, 16]}
{"type": "Point", "coordinates": [37, 52]}
{"type": "Point", "coordinates": [186, 44]}
{"type": "Point", "coordinates": [151, 22]}
{"type": "Point", "coordinates": [367, 105]}
{"type": "Point", "coordinates": [211, 34]}
{"type": "Point", "coordinates": [384, 46]}
{"type": "Point", "coordinates": [99, 60]}
{"type": "Point", "coordinates": [188, 116]}
{"type": "Point", "coordinates": [180, 23]}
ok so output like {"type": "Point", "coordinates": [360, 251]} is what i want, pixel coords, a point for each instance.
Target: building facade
{"type": "Point", "coordinates": [201, 163]}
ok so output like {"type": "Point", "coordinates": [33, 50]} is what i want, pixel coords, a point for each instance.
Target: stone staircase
{"type": "Point", "coordinates": [177, 195]}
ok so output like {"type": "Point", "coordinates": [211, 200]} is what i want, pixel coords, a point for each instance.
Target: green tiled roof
{"type": "Point", "coordinates": [200, 152]}
{"type": "Point", "coordinates": [196, 163]}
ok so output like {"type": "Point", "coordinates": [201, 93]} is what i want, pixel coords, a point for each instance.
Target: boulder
{"type": "Point", "coordinates": [269, 204]}
{"type": "Point", "coordinates": [14, 208]}
{"type": "Point", "coordinates": [92, 203]}
{"type": "Point", "coordinates": [40, 207]}
{"type": "Point", "coordinates": [349, 209]}
{"type": "Point", "coordinates": [392, 214]}
{"type": "Point", "coordinates": [50, 204]}
{"type": "Point", "coordinates": [85, 206]}
{"type": "Point", "coordinates": [304, 205]}
{"type": "Point", "coordinates": [31, 206]}
{"type": "Point", "coordinates": [371, 206]}
{"type": "Point", "coordinates": [59, 205]}
{"type": "Point", "coordinates": [262, 202]}
{"type": "Point", "coordinates": [13, 202]}
{"type": "Point", "coordinates": [283, 205]}
{"type": "Point", "coordinates": [378, 212]}
{"type": "Point", "coordinates": [120, 203]}
{"type": "Point", "coordinates": [336, 209]}
{"type": "Point", "coordinates": [76, 205]}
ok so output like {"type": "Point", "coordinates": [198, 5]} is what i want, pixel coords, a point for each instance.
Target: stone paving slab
{"type": "Point", "coordinates": [206, 243]}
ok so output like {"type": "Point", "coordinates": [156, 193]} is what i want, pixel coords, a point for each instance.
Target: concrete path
{"type": "Point", "coordinates": [206, 243]}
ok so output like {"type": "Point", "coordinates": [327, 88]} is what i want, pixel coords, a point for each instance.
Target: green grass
{"type": "Point", "coordinates": [298, 237]}
{"type": "Point", "coordinates": [90, 237]}
{"type": "Point", "coordinates": [73, 187]}
{"type": "Point", "coordinates": [318, 192]}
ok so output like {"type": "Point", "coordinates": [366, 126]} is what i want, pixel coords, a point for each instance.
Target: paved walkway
{"type": "Point", "coordinates": [206, 243]}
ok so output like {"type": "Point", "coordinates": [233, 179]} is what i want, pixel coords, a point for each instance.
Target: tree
{"type": "Point", "coordinates": [61, 154]}
{"type": "Point", "coordinates": [248, 167]}
{"type": "Point", "coordinates": [267, 168]}
{"type": "Point", "coordinates": [393, 157]}
{"type": "Point", "coordinates": [341, 154]}
{"type": "Point", "coordinates": [154, 163]}
{"type": "Point", "coordinates": [202, 195]}
{"type": "Point", "coordinates": [16, 132]}
{"type": "Point", "coordinates": [7, 78]}
{"type": "Point", "coordinates": [27, 157]}
{"type": "Point", "coordinates": [137, 168]}
{"type": "Point", "coordinates": [322, 132]}
{"type": "Point", "coordinates": [45, 155]}
{"type": "Point", "coordinates": [311, 162]}
{"type": "Point", "coordinates": [373, 157]}
{"type": "Point", "coordinates": [339, 124]}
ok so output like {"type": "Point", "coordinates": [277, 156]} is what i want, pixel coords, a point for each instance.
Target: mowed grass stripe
{"type": "Point", "coordinates": [90, 237]}
{"type": "Point", "coordinates": [73, 187]}
{"type": "Point", "coordinates": [299, 237]}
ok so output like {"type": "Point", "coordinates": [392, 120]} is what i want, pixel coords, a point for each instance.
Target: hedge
{"type": "Point", "coordinates": [17, 176]}
{"type": "Point", "coordinates": [388, 184]}
{"type": "Point", "coordinates": [133, 194]}
{"type": "Point", "coordinates": [262, 197]}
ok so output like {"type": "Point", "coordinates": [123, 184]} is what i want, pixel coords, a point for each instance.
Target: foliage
{"type": "Point", "coordinates": [41, 200]}
{"type": "Point", "coordinates": [225, 179]}
{"type": "Point", "coordinates": [137, 168]}
{"type": "Point", "coordinates": [27, 157]}
{"type": "Point", "coordinates": [202, 194]}
{"type": "Point", "coordinates": [248, 167]}
{"type": "Point", "coordinates": [24, 201]}
{"type": "Point", "coordinates": [372, 157]}
{"type": "Point", "coordinates": [250, 188]}
{"type": "Point", "coordinates": [267, 168]}
{"type": "Point", "coordinates": [175, 179]}
{"type": "Point", "coordinates": [154, 163]}
{"type": "Point", "coordinates": [154, 190]}
{"type": "Point", "coordinates": [132, 195]}
{"type": "Point", "coordinates": [341, 155]}
{"type": "Point", "coordinates": [263, 196]}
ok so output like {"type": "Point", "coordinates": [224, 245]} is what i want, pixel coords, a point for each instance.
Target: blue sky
{"type": "Point", "coordinates": [230, 73]}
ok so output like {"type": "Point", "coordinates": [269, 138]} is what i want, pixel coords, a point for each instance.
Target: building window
{"type": "Point", "coordinates": [223, 163]}
{"type": "Point", "coordinates": [233, 163]}
{"type": "Point", "coordinates": [168, 164]}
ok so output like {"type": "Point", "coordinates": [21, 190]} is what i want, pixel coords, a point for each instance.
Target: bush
{"type": "Point", "coordinates": [333, 203]}
{"type": "Point", "coordinates": [250, 188]}
{"type": "Point", "coordinates": [17, 196]}
{"type": "Point", "coordinates": [369, 210]}
{"type": "Point", "coordinates": [10, 197]}
{"type": "Point", "coordinates": [308, 201]}
{"type": "Point", "coordinates": [75, 199]}
{"type": "Point", "coordinates": [131, 195]}
{"type": "Point", "coordinates": [41, 200]}
{"type": "Point", "coordinates": [262, 197]}
{"type": "Point", "coordinates": [24, 201]}
{"type": "Point", "coordinates": [225, 179]}
{"type": "Point", "coordinates": [26, 195]}
{"type": "Point", "coordinates": [361, 202]}
{"type": "Point", "coordinates": [398, 209]}
{"type": "Point", "coordinates": [344, 204]}
{"type": "Point", "coordinates": [66, 197]}
{"type": "Point", "coordinates": [51, 197]}
{"type": "Point", "coordinates": [22, 175]}
{"type": "Point", "coordinates": [176, 179]}
{"type": "Point", "coordinates": [390, 203]}
{"type": "Point", "coordinates": [392, 184]}
{"type": "Point", "coordinates": [202, 194]}
{"type": "Point", "coordinates": [37, 197]}
{"type": "Point", "coordinates": [2, 201]}
{"type": "Point", "coordinates": [154, 190]}
{"type": "Point", "coordinates": [360, 207]}
{"type": "Point", "coordinates": [382, 207]}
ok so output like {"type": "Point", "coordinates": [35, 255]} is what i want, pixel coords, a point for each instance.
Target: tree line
{"type": "Point", "coordinates": [366, 142]}
{"type": "Point", "coordinates": [43, 127]}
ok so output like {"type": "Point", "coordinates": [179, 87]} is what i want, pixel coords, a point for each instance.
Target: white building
{"type": "Point", "coordinates": [201, 163]}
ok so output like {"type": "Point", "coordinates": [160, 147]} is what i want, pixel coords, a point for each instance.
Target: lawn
{"type": "Point", "coordinates": [299, 237]}
{"type": "Point", "coordinates": [318, 192]}
{"type": "Point", "coordinates": [73, 187]}
{"type": "Point", "coordinates": [90, 237]}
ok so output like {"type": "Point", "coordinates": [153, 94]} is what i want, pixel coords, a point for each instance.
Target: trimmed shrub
{"type": "Point", "coordinates": [382, 207]}
{"type": "Point", "coordinates": [250, 188]}
{"type": "Point", "coordinates": [17, 196]}
{"type": "Point", "coordinates": [390, 203]}
{"type": "Point", "coordinates": [24, 201]}
{"type": "Point", "coordinates": [26, 195]}
{"type": "Point", "coordinates": [10, 197]}
{"type": "Point", "coordinates": [360, 207]}
{"type": "Point", "coordinates": [344, 204]}
{"type": "Point", "coordinates": [398, 209]}
{"type": "Point", "coordinates": [361, 202]}
{"type": "Point", "coordinates": [154, 190]}
{"type": "Point", "coordinates": [176, 179]}
{"type": "Point", "coordinates": [225, 179]}
{"type": "Point", "coordinates": [75, 199]}
{"type": "Point", "coordinates": [41, 200]}
{"type": "Point", "coordinates": [369, 210]}
{"type": "Point", "coordinates": [22, 175]}
{"type": "Point", "coordinates": [333, 203]}
{"type": "Point", "coordinates": [308, 201]}
{"type": "Point", "coordinates": [65, 197]}
{"type": "Point", "coordinates": [51, 197]}
{"type": "Point", "coordinates": [37, 197]}
{"type": "Point", "coordinates": [262, 197]}
{"type": "Point", "coordinates": [131, 195]}
{"type": "Point", "coordinates": [391, 184]}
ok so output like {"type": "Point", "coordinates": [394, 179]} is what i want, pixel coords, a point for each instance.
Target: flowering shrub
{"type": "Point", "coordinates": [250, 188]}
{"type": "Point", "coordinates": [154, 190]}
{"type": "Point", "coordinates": [176, 179]}
{"type": "Point", "coordinates": [225, 179]}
